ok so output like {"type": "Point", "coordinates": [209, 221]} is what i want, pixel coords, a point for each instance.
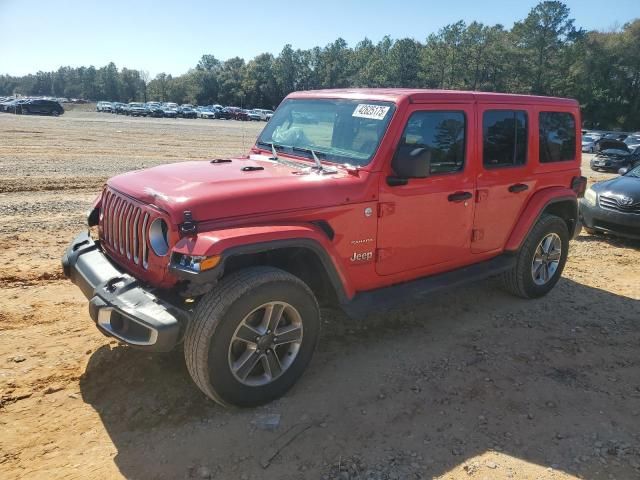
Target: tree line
{"type": "Point", "coordinates": [544, 54]}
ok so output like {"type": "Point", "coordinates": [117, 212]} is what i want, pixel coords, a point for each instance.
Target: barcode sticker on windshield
{"type": "Point", "coordinates": [374, 112]}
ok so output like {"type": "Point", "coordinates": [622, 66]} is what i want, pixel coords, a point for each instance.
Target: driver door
{"type": "Point", "coordinates": [427, 222]}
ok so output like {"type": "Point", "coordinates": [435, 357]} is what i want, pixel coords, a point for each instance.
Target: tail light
{"type": "Point", "coordinates": [579, 185]}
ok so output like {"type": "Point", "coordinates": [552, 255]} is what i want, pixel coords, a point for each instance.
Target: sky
{"type": "Point", "coordinates": [171, 36]}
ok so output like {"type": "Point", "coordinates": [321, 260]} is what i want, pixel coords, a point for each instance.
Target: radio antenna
{"type": "Point", "coordinates": [244, 146]}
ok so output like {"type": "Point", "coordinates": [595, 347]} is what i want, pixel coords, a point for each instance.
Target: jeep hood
{"type": "Point", "coordinates": [239, 187]}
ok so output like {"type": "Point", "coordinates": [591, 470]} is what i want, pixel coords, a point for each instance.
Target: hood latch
{"type": "Point", "coordinates": [188, 227]}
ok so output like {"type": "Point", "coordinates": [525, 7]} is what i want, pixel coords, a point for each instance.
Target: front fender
{"type": "Point", "coordinates": [534, 209]}
{"type": "Point", "coordinates": [260, 238]}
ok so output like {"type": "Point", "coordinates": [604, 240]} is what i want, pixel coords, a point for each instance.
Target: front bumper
{"type": "Point", "coordinates": [609, 221]}
{"type": "Point", "coordinates": [118, 303]}
{"type": "Point", "coordinates": [608, 164]}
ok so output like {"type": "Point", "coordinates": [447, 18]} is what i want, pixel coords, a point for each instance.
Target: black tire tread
{"type": "Point", "coordinates": [211, 310]}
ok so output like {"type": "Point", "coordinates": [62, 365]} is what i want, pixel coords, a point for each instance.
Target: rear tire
{"type": "Point", "coordinates": [527, 278]}
{"type": "Point", "coordinates": [215, 342]}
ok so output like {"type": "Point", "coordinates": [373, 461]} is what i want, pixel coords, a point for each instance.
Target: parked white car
{"type": "Point", "coordinates": [206, 112]}
{"type": "Point", "coordinates": [261, 114]}
{"type": "Point", "coordinates": [104, 107]}
{"type": "Point", "coordinates": [254, 115]}
{"type": "Point", "coordinates": [589, 143]}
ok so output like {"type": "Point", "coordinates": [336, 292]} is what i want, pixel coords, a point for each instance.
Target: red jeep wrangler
{"type": "Point", "coordinates": [362, 198]}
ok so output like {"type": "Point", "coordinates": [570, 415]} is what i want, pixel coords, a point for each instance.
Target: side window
{"type": "Point", "coordinates": [557, 137]}
{"type": "Point", "coordinates": [504, 134]}
{"type": "Point", "coordinates": [443, 134]}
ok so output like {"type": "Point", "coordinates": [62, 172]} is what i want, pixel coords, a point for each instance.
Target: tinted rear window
{"type": "Point", "coordinates": [557, 137]}
{"type": "Point", "coordinates": [504, 138]}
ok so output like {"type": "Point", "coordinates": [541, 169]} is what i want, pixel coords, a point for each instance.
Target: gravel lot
{"type": "Point", "coordinates": [472, 384]}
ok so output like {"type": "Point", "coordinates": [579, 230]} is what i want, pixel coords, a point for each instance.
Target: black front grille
{"type": "Point", "coordinates": [615, 204]}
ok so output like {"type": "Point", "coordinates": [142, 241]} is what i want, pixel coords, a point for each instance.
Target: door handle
{"type": "Point", "coordinates": [460, 196]}
{"type": "Point", "coordinates": [518, 187]}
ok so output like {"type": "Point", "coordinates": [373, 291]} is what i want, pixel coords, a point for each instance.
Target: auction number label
{"type": "Point", "coordinates": [374, 112]}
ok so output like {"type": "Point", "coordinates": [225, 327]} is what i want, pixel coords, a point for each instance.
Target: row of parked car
{"type": "Point", "coordinates": [613, 150]}
{"type": "Point", "coordinates": [26, 106]}
{"type": "Point", "coordinates": [173, 110]}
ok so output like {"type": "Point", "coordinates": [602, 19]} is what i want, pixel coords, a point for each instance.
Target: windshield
{"type": "Point", "coordinates": [135, 104]}
{"type": "Point", "coordinates": [339, 131]}
{"type": "Point", "coordinates": [588, 139]}
{"type": "Point", "coordinates": [632, 140]}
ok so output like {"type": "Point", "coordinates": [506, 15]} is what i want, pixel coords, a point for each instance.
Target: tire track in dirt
{"type": "Point", "coordinates": [41, 184]}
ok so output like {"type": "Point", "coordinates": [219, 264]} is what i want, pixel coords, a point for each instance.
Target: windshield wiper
{"type": "Point", "coordinates": [273, 146]}
{"type": "Point", "coordinates": [317, 160]}
{"type": "Point", "coordinates": [319, 166]}
{"type": "Point", "coordinates": [273, 152]}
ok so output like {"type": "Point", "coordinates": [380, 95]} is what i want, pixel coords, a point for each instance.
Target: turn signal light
{"type": "Point", "coordinates": [209, 262]}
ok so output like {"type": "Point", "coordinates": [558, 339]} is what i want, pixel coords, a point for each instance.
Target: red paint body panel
{"type": "Point", "coordinates": [224, 190]}
{"type": "Point", "coordinates": [530, 214]}
{"type": "Point", "coordinates": [418, 233]}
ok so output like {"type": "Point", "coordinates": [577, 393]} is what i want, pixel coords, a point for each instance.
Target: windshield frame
{"type": "Point", "coordinates": [304, 151]}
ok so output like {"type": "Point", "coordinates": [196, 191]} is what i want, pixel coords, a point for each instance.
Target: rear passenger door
{"type": "Point", "coordinates": [505, 179]}
{"type": "Point", "coordinates": [36, 106]}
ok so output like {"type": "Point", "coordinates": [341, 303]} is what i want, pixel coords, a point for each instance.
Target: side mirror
{"type": "Point", "coordinates": [412, 162]}
{"type": "Point", "coordinates": [623, 171]}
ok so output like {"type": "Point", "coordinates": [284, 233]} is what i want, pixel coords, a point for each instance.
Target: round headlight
{"type": "Point", "coordinates": [159, 237]}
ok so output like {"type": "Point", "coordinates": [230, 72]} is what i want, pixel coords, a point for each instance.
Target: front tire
{"type": "Point", "coordinates": [541, 259]}
{"type": "Point", "coordinates": [252, 337]}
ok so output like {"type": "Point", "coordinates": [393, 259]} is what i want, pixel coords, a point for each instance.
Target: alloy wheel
{"type": "Point", "coordinates": [265, 343]}
{"type": "Point", "coordinates": [546, 259]}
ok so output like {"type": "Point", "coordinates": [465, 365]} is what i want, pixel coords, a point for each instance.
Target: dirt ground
{"type": "Point", "coordinates": [472, 384]}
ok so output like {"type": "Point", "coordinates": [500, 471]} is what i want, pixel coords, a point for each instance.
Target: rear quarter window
{"type": "Point", "coordinates": [557, 137]}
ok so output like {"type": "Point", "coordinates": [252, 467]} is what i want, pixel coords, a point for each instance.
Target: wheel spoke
{"type": "Point", "coordinates": [289, 334]}
{"type": "Point", "coordinates": [545, 273]}
{"type": "Point", "coordinates": [246, 363]}
{"type": "Point", "coordinates": [272, 316]}
{"type": "Point", "coordinates": [271, 364]}
{"type": "Point", "coordinates": [247, 334]}
{"type": "Point", "coordinates": [538, 272]}
{"type": "Point", "coordinates": [554, 255]}
{"type": "Point", "coordinates": [546, 244]}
